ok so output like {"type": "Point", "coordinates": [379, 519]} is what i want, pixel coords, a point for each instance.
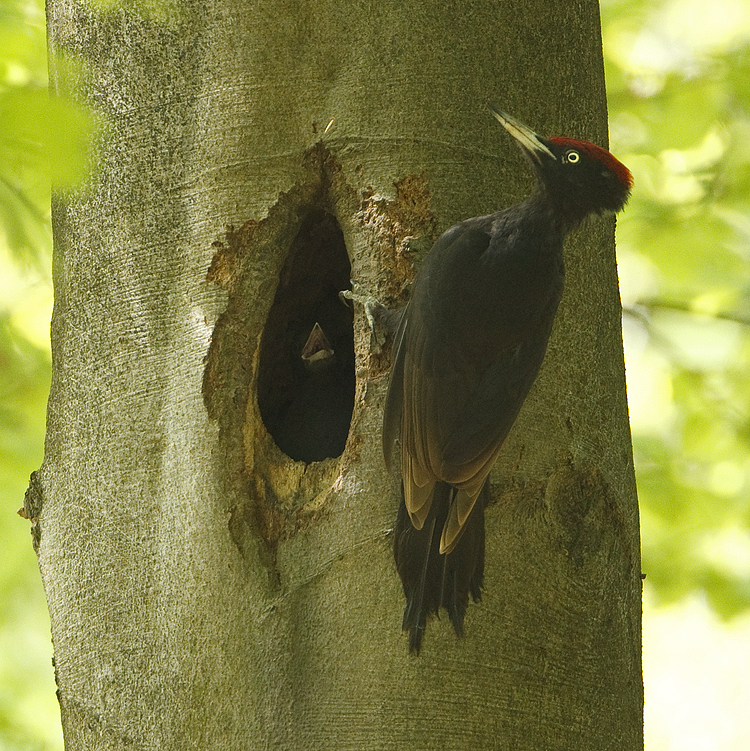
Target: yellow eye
{"type": "Point", "coordinates": [572, 157]}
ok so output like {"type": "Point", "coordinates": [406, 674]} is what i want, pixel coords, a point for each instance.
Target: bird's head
{"type": "Point", "coordinates": [578, 177]}
{"type": "Point", "coordinates": [317, 353]}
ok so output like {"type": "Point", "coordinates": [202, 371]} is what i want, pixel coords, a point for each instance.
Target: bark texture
{"type": "Point", "coordinates": [206, 591]}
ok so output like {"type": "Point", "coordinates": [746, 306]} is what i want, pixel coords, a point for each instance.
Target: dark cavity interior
{"type": "Point", "coordinates": [306, 372]}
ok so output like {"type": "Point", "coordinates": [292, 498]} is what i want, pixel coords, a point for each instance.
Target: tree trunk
{"type": "Point", "coordinates": [206, 591]}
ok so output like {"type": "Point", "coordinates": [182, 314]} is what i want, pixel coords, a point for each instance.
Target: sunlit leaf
{"type": "Point", "coordinates": [682, 112]}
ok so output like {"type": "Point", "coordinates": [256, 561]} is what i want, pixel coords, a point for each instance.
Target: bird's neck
{"type": "Point", "coordinates": [542, 216]}
{"type": "Point", "coordinates": [559, 212]}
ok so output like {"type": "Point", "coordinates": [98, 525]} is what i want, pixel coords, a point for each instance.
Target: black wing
{"type": "Point", "coordinates": [465, 362]}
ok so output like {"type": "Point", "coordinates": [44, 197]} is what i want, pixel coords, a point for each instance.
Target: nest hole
{"type": "Point", "coordinates": [306, 373]}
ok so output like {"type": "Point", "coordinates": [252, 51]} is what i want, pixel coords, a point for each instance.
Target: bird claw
{"type": "Point", "coordinates": [374, 311]}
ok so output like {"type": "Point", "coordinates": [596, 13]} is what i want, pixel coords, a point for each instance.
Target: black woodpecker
{"type": "Point", "coordinates": [467, 350]}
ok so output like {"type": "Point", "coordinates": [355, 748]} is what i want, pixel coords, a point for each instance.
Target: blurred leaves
{"type": "Point", "coordinates": [28, 715]}
{"type": "Point", "coordinates": [43, 139]}
{"type": "Point", "coordinates": [679, 87]}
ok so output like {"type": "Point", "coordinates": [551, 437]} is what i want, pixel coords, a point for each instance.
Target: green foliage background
{"type": "Point", "coordinates": [679, 86]}
{"type": "Point", "coordinates": [42, 141]}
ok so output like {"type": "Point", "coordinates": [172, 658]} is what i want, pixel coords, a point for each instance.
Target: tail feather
{"type": "Point", "coordinates": [432, 580]}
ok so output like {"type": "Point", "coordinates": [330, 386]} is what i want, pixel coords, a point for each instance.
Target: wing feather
{"type": "Point", "coordinates": [464, 364]}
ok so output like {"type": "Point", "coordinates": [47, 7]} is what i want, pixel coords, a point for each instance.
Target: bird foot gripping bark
{"type": "Point", "coordinates": [382, 320]}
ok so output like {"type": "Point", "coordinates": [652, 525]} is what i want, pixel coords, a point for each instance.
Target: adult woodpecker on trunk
{"type": "Point", "coordinates": [467, 350]}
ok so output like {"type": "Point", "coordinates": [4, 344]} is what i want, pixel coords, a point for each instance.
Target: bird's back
{"type": "Point", "coordinates": [465, 355]}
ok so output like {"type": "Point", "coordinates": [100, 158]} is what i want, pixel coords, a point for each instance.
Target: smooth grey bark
{"type": "Point", "coordinates": [207, 592]}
